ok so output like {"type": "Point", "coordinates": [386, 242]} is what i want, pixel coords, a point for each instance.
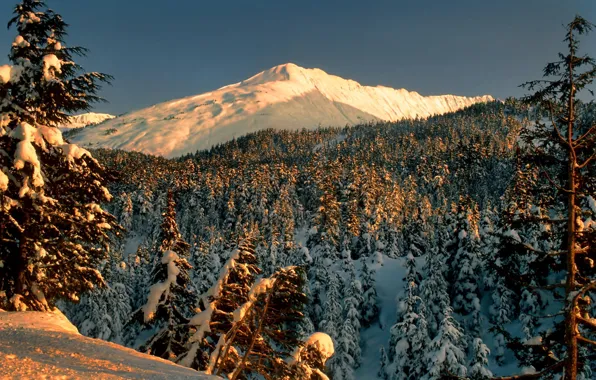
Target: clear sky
{"type": "Point", "coordinates": [160, 50]}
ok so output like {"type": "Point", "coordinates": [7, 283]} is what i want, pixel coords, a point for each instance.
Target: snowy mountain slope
{"type": "Point", "coordinates": [83, 120]}
{"type": "Point", "coordinates": [286, 97]}
{"type": "Point", "coordinates": [36, 345]}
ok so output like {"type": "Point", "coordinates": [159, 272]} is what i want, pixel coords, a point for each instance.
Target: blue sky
{"type": "Point", "coordinates": [160, 50]}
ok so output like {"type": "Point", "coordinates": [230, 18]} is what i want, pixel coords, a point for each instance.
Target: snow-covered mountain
{"type": "Point", "coordinates": [85, 119]}
{"type": "Point", "coordinates": [284, 97]}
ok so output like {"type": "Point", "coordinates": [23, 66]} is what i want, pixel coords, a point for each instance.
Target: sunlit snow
{"type": "Point", "coordinates": [284, 97]}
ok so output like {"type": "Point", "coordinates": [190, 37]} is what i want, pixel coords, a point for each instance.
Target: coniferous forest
{"type": "Point", "coordinates": [458, 246]}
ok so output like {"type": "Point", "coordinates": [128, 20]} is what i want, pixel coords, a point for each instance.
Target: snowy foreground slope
{"type": "Point", "coordinates": [43, 345]}
{"type": "Point", "coordinates": [85, 119]}
{"type": "Point", "coordinates": [284, 97]}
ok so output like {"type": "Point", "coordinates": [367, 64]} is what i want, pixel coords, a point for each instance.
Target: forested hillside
{"type": "Point", "coordinates": [431, 194]}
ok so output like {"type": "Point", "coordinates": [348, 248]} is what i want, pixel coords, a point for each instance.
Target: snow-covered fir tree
{"type": "Point", "coordinates": [370, 307]}
{"type": "Point", "coordinates": [445, 355]}
{"type": "Point", "coordinates": [216, 317]}
{"type": "Point", "coordinates": [466, 260]}
{"type": "Point", "coordinates": [172, 298]}
{"type": "Point", "coordinates": [479, 365]}
{"type": "Point", "coordinates": [54, 232]}
{"type": "Point", "coordinates": [263, 332]}
{"type": "Point", "coordinates": [409, 336]}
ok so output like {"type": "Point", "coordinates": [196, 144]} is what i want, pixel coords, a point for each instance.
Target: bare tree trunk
{"type": "Point", "coordinates": [21, 261]}
{"type": "Point", "coordinates": [571, 327]}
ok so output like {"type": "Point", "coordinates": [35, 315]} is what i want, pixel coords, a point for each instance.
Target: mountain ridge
{"type": "Point", "coordinates": [284, 97]}
{"type": "Point", "coordinates": [85, 119]}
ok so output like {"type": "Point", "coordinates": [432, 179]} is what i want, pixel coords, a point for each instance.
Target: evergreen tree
{"type": "Point", "coordinates": [262, 334]}
{"type": "Point", "coordinates": [308, 361]}
{"type": "Point", "coordinates": [102, 313]}
{"type": "Point", "coordinates": [557, 154]}
{"type": "Point", "coordinates": [409, 336]}
{"type": "Point", "coordinates": [370, 308]}
{"type": "Point", "coordinates": [171, 298]}
{"type": "Point", "coordinates": [352, 302]}
{"type": "Point", "coordinates": [54, 233]}
{"type": "Point", "coordinates": [333, 306]}
{"type": "Point", "coordinates": [445, 355]}
{"type": "Point", "coordinates": [433, 290]}
{"type": "Point", "coordinates": [467, 262]}
{"type": "Point", "coordinates": [216, 317]}
{"type": "Point", "coordinates": [479, 364]}
{"type": "Point", "coordinates": [384, 364]}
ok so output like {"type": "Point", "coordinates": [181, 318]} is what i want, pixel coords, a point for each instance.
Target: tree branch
{"type": "Point", "coordinates": [586, 322]}
{"type": "Point", "coordinates": [586, 162]}
{"type": "Point", "coordinates": [552, 120]}
{"type": "Point", "coordinates": [589, 132]}
{"type": "Point", "coordinates": [536, 375]}
{"type": "Point", "coordinates": [586, 340]}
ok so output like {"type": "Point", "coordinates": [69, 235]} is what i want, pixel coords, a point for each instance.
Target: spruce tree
{"type": "Point", "coordinates": [558, 156]}
{"type": "Point", "coordinates": [308, 361]}
{"type": "Point", "coordinates": [171, 299]}
{"type": "Point", "coordinates": [467, 263]}
{"type": "Point", "coordinates": [263, 333]}
{"type": "Point", "coordinates": [409, 336]}
{"type": "Point", "coordinates": [479, 365]}
{"type": "Point", "coordinates": [370, 308]}
{"type": "Point", "coordinates": [217, 305]}
{"type": "Point", "coordinates": [445, 355]}
{"type": "Point", "coordinates": [53, 230]}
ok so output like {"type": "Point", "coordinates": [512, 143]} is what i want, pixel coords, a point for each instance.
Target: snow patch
{"type": "Point", "coordinates": [85, 119]}
{"type": "Point", "coordinates": [260, 286]}
{"type": "Point", "coordinates": [19, 41]}
{"type": "Point", "coordinates": [3, 181]}
{"type": "Point", "coordinates": [46, 345]}
{"type": "Point", "coordinates": [321, 341]}
{"type": "Point", "coordinates": [51, 66]}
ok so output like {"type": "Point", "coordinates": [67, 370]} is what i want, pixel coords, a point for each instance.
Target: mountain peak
{"type": "Point", "coordinates": [286, 96]}
{"type": "Point", "coordinates": [285, 72]}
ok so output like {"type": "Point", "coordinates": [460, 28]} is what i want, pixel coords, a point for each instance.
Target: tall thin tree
{"type": "Point", "coordinates": [560, 150]}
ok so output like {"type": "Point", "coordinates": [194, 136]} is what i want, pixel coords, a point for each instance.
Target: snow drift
{"type": "Point", "coordinates": [85, 119]}
{"type": "Point", "coordinates": [35, 345]}
{"type": "Point", "coordinates": [284, 97]}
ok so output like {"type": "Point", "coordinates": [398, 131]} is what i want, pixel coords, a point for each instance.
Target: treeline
{"type": "Point", "coordinates": [334, 202]}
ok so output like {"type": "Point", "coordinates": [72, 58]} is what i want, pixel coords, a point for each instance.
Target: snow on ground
{"type": "Point", "coordinates": [83, 120]}
{"type": "Point", "coordinates": [284, 97]}
{"type": "Point", "coordinates": [389, 285]}
{"type": "Point", "coordinates": [36, 345]}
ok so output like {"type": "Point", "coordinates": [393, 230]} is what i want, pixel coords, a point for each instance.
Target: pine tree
{"type": "Point", "coordinates": [557, 155]}
{"type": "Point", "coordinates": [466, 260]}
{"type": "Point", "coordinates": [370, 308]}
{"type": "Point", "coordinates": [171, 298]}
{"type": "Point", "coordinates": [54, 233]}
{"type": "Point", "coordinates": [263, 332]}
{"type": "Point", "coordinates": [102, 313]}
{"type": "Point", "coordinates": [409, 336]}
{"type": "Point", "coordinates": [479, 365]}
{"type": "Point", "coordinates": [217, 307]}
{"type": "Point", "coordinates": [445, 355]}
{"type": "Point", "coordinates": [333, 306]}
{"type": "Point", "coordinates": [433, 289]}
{"type": "Point", "coordinates": [352, 302]}
{"type": "Point", "coordinates": [384, 364]}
